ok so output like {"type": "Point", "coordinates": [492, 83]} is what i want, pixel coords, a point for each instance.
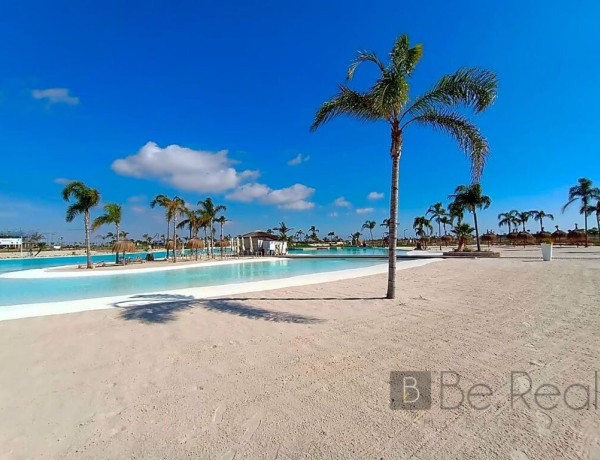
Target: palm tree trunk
{"type": "Point", "coordinates": [86, 220]}
{"type": "Point", "coordinates": [396, 151]}
{"type": "Point", "coordinates": [168, 233]}
{"type": "Point", "coordinates": [585, 216]}
{"type": "Point", "coordinates": [175, 238]}
{"type": "Point", "coordinates": [541, 225]}
{"type": "Point", "coordinates": [440, 234]}
{"type": "Point", "coordinates": [117, 256]}
{"type": "Point", "coordinates": [221, 239]}
{"type": "Point", "coordinates": [212, 240]}
{"type": "Point", "coordinates": [476, 229]}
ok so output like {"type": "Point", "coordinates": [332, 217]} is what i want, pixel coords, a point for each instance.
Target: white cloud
{"type": "Point", "coordinates": [341, 201]}
{"type": "Point", "coordinates": [139, 209]}
{"type": "Point", "coordinates": [55, 96]}
{"type": "Point", "coordinates": [294, 197]}
{"type": "Point", "coordinates": [298, 159]}
{"type": "Point", "coordinates": [364, 210]}
{"type": "Point", "coordinates": [137, 199]}
{"type": "Point", "coordinates": [333, 214]}
{"type": "Point", "coordinates": [375, 196]}
{"type": "Point", "coordinates": [183, 168]}
{"type": "Point", "coordinates": [62, 181]}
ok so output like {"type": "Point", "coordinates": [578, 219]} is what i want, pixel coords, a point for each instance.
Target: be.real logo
{"type": "Point", "coordinates": [412, 390]}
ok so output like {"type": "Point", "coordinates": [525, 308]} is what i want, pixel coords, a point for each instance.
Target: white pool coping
{"type": "Point", "coordinates": [100, 303]}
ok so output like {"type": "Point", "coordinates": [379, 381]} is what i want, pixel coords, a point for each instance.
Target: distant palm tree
{"type": "Point", "coordinates": [456, 212]}
{"type": "Point", "coordinates": [596, 209]}
{"type": "Point", "coordinates": [283, 230]}
{"type": "Point", "coordinates": [331, 235]}
{"type": "Point", "coordinates": [422, 226]}
{"type": "Point", "coordinates": [86, 198]}
{"type": "Point", "coordinates": [388, 100]}
{"type": "Point", "coordinates": [211, 210]}
{"type": "Point", "coordinates": [539, 216]}
{"type": "Point", "coordinates": [355, 238]}
{"type": "Point", "coordinates": [508, 219]}
{"type": "Point", "coordinates": [313, 233]}
{"type": "Point", "coordinates": [462, 231]}
{"type": "Point", "coordinates": [112, 215]}
{"type": "Point", "coordinates": [299, 234]}
{"type": "Point", "coordinates": [523, 217]}
{"type": "Point", "coordinates": [471, 197]}
{"type": "Point", "coordinates": [174, 207]}
{"type": "Point", "coordinates": [221, 221]}
{"type": "Point", "coordinates": [585, 192]}
{"type": "Point", "coordinates": [437, 211]}
{"type": "Point", "coordinates": [446, 220]}
{"type": "Point", "coordinates": [369, 224]}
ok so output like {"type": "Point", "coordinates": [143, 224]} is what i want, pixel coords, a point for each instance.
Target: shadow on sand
{"type": "Point", "coordinates": [162, 308]}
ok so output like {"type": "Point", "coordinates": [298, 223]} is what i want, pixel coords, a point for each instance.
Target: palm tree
{"type": "Point", "coordinates": [85, 199]}
{"type": "Point", "coordinates": [508, 219]}
{"type": "Point", "coordinates": [456, 211]}
{"type": "Point", "coordinates": [470, 197]}
{"type": "Point", "coordinates": [539, 216]}
{"type": "Point", "coordinates": [422, 226]}
{"type": "Point", "coordinates": [355, 238]}
{"type": "Point", "coordinates": [437, 211]}
{"type": "Point", "coordinates": [112, 215]}
{"type": "Point", "coordinates": [283, 230]}
{"type": "Point", "coordinates": [585, 192]}
{"type": "Point", "coordinates": [221, 221]}
{"type": "Point", "coordinates": [174, 207]}
{"type": "Point", "coordinates": [313, 233]}
{"type": "Point", "coordinates": [331, 236]}
{"type": "Point", "coordinates": [462, 232]}
{"type": "Point", "coordinates": [446, 220]}
{"type": "Point", "coordinates": [299, 234]}
{"type": "Point", "coordinates": [596, 209]}
{"type": "Point", "coordinates": [388, 100]}
{"type": "Point", "coordinates": [523, 217]}
{"type": "Point", "coordinates": [369, 224]}
{"type": "Point", "coordinates": [211, 210]}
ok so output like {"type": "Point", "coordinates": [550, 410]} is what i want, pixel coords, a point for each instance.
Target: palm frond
{"type": "Point", "coordinates": [468, 136]}
{"type": "Point", "coordinates": [346, 102]}
{"type": "Point", "coordinates": [363, 56]}
{"type": "Point", "coordinates": [403, 58]}
{"type": "Point", "coordinates": [472, 87]}
{"type": "Point", "coordinates": [73, 211]}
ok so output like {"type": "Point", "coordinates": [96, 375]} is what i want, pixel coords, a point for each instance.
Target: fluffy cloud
{"type": "Point", "coordinates": [183, 168]}
{"type": "Point", "coordinates": [55, 96]}
{"type": "Point", "coordinates": [294, 197]}
{"type": "Point", "coordinates": [298, 159]}
{"type": "Point", "coordinates": [375, 196]}
{"type": "Point", "coordinates": [364, 210]}
{"type": "Point", "coordinates": [341, 201]}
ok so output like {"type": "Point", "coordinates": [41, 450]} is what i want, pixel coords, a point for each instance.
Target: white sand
{"type": "Point", "coordinates": [303, 372]}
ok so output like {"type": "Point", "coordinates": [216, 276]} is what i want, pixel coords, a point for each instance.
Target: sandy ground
{"type": "Point", "coordinates": [304, 372]}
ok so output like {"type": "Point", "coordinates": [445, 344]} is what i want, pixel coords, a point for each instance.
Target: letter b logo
{"type": "Point", "coordinates": [410, 390]}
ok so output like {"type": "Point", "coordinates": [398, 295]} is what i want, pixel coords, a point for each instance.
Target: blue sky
{"type": "Point", "coordinates": [97, 91]}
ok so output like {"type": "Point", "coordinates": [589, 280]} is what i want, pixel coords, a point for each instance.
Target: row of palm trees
{"type": "Point", "coordinates": [83, 199]}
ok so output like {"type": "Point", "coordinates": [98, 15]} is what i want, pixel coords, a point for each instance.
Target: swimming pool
{"type": "Point", "coordinates": [352, 251]}
{"type": "Point", "coordinates": [23, 291]}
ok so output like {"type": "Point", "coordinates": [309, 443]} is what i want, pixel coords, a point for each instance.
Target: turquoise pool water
{"type": "Point", "coordinates": [22, 291]}
{"type": "Point", "coordinates": [343, 251]}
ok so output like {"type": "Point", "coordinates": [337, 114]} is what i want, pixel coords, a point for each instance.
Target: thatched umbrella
{"type": "Point", "coordinates": [576, 237]}
{"type": "Point", "coordinates": [559, 236]}
{"type": "Point", "coordinates": [195, 244]}
{"type": "Point", "coordinates": [541, 236]}
{"type": "Point", "coordinates": [123, 246]}
{"type": "Point", "coordinates": [447, 240]}
{"type": "Point", "coordinates": [513, 237]}
{"type": "Point", "coordinates": [489, 238]}
{"type": "Point", "coordinates": [526, 237]}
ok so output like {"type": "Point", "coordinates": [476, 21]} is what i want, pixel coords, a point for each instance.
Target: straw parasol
{"type": "Point", "coordinates": [123, 246]}
{"type": "Point", "coordinates": [541, 236]}
{"type": "Point", "coordinates": [195, 243]}
{"type": "Point", "coordinates": [559, 236]}
{"type": "Point", "coordinates": [513, 237]}
{"type": "Point", "coordinates": [447, 239]}
{"type": "Point", "coordinates": [489, 238]}
{"type": "Point", "coordinates": [526, 237]}
{"type": "Point", "coordinates": [576, 236]}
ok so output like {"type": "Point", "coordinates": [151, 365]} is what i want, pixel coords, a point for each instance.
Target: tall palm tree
{"type": "Point", "coordinates": [86, 198]}
{"type": "Point", "coordinates": [174, 208]}
{"type": "Point", "coordinates": [313, 233]}
{"type": "Point", "coordinates": [211, 210]}
{"type": "Point", "coordinates": [585, 192]}
{"type": "Point", "coordinates": [283, 230]}
{"type": "Point", "coordinates": [508, 219]}
{"type": "Point", "coordinates": [221, 221]}
{"type": "Point", "coordinates": [388, 100]}
{"type": "Point", "coordinates": [422, 226]}
{"type": "Point", "coordinates": [437, 211]}
{"type": "Point", "coordinates": [112, 215]}
{"type": "Point", "coordinates": [369, 224]}
{"type": "Point", "coordinates": [471, 197]}
{"type": "Point", "coordinates": [523, 217]}
{"type": "Point", "coordinates": [539, 216]}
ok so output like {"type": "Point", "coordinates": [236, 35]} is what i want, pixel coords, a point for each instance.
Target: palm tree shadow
{"type": "Point", "coordinates": [163, 308]}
